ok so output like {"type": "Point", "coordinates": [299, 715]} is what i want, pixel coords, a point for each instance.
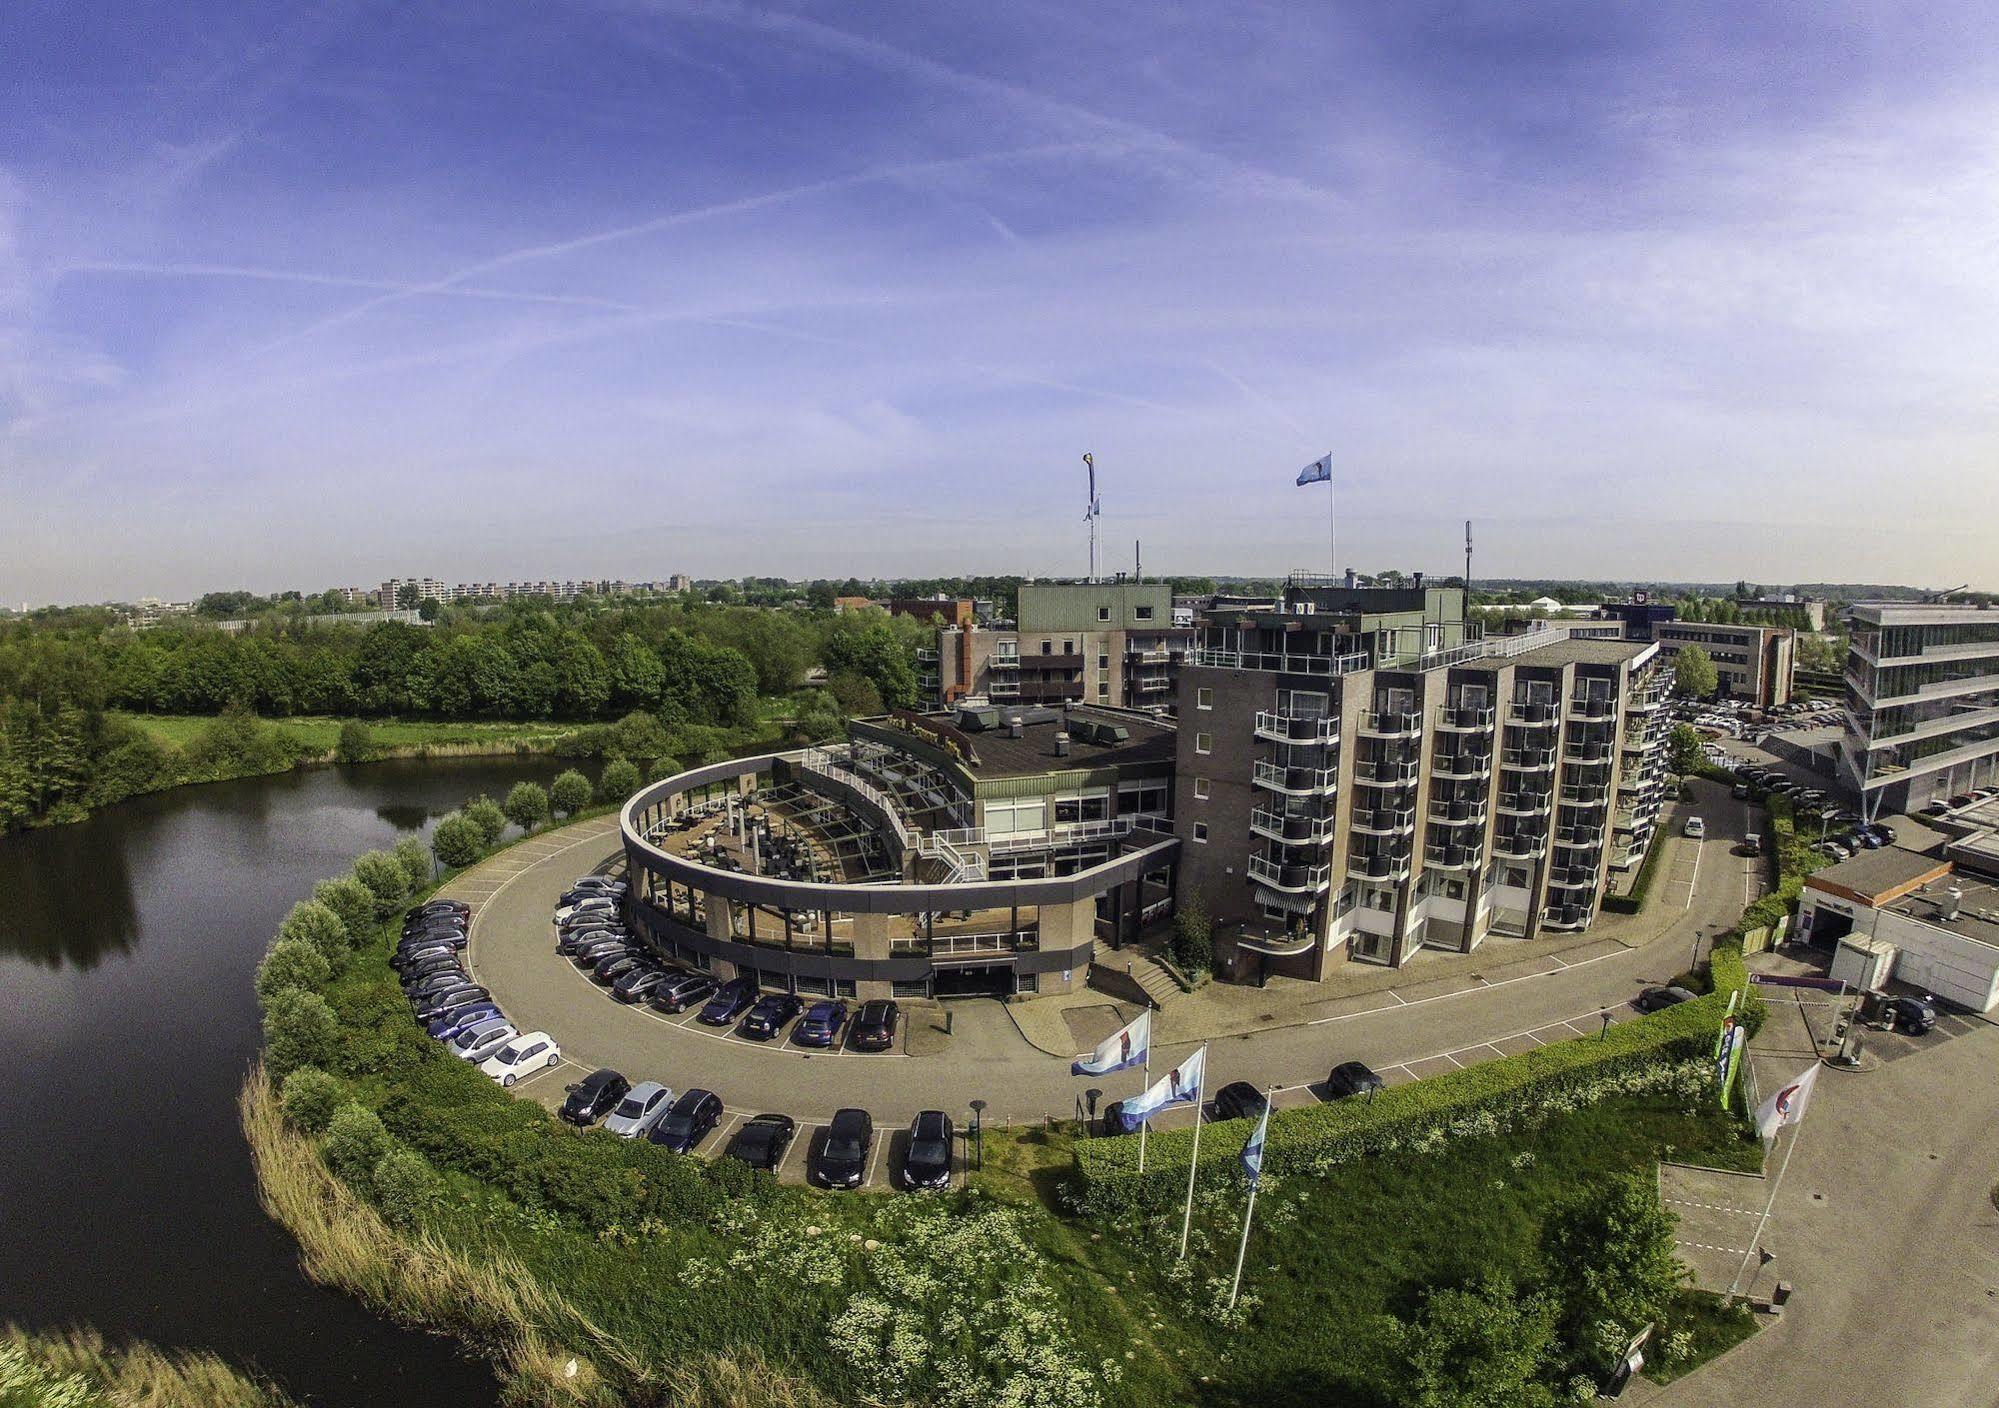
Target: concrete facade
{"type": "Point", "coordinates": [1752, 663]}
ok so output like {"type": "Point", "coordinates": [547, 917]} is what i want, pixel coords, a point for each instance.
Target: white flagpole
{"type": "Point", "coordinates": [1194, 1163]}
{"type": "Point", "coordinates": [1249, 1211]}
{"type": "Point", "coordinates": [1332, 542]}
{"type": "Point", "coordinates": [1145, 1084]}
{"type": "Point", "coordinates": [1756, 1238]}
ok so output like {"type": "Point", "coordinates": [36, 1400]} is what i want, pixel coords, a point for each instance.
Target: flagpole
{"type": "Point", "coordinates": [1797, 1133]}
{"type": "Point", "coordinates": [1194, 1163]}
{"type": "Point", "coordinates": [1248, 1212]}
{"type": "Point", "coordinates": [1332, 543]}
{"type": "Point", "coordinates": [1145, 1084]}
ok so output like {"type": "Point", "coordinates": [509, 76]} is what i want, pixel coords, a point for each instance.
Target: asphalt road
{"type": "Point", "coordinates": [513, 952]}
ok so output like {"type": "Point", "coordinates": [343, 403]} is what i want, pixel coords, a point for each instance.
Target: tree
{"type": "Point", "coordinates": [309, 1096]}
{"type": "Point", "coordinates": [526, 805]}
{"type": "Point", "coordinates": [386, 880]}
{"type": "Point", "coordinates": [618, 780]}
{"type": "Point", "coordinates": [1694, 673]}
{"type": "Point", "coordinates": [351, 902]}
{"type": "Point", "coordinates": [1609, 1258]}
{"type": "Point", "coordinates": [428, 608]}
{"type": "Point", "coordinates": [355, 1142]}
{"type": "Point", "coordinates": [292, 963]}
{"type": "Point", "coordinates": [485, 813]}
{"type": "Point", "coordinates": [356, 744]}
{"type": "Point", "coordinates": [458, 841]}
{"type": "Point", "coordinates": [1193, 943]}
{"type": "Point", "coordinates": [299, 1030]}
{"type": "Point", "coordinates": [414, 858]}
{"type": "Point", "coordinates": [406, 596]}
{"type": "Point", "coordinates": [856, 696]}
{"type": "Point", "coordinates": [1684, 747]}
{"type": "Point", "coordinates": [320, 926]}
{"type": "Point", "coordinates": [570, 792]}
{"type": "Point", "coordinates": [1485, 1346]}
{"type": "Point", "coordinates": [404, 1184]}
{"type": "Point", "coordinates": [874, 651]}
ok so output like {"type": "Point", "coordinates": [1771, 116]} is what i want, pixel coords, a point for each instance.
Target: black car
{"type": "Point", "coordinates": [842, 1159]}
{"type": "Point", "coordinates": [594, 1097]}
{"type": "Point", "coordinates": [762, 1141]}
{"type": "Point", "coordinates": [926, 1163]}
{"type": "Point", "coordinates": [436, 980]}
{"type": "Point", "coordinates": [586, 955]}
{"type": "Point", "coordinates": [639, 983]}
{"type": "Point", "coordinates": [416, 965]}
{"type": "Point", "coordinates": [681, 991]}
{"type": "Point", "coordinates": [570, 940]}
{"type": "Point", "coordinates": [688, 1122]}
{"type": "Point", "coordinates": [727, 1002]}
{"type": "Point", "coordinates": [613, 966]}
{"type": "Point", "coordinates": [874, 1025]}
{"type": "Point", "coordinates": [1914, 1015]}
{"type": "Point", "coordinates": [1239, 1100]}
{"type": "Point", "coordinates": [771, 1012]}
{"type": "Point", "coordinates": [1656, 999]}
{"type": "Point", "coordinates": [405, 961]}
{"type": "Point", "coordinates": [431, 907]}
{"type": "Point", "coordinates": [453, 928]}
{"type": "Point", "coordinates": [447, 999]}
{"type": "Point", "coordinates": [1352, 1078]}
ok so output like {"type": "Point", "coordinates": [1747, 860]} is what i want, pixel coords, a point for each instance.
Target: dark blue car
{"type": "Point", "coordinates": [452, 1021]}
{"type": "Point", "coordinates": [729, 1002]}
{"type": "Point", "coordinates": [820, 1026]}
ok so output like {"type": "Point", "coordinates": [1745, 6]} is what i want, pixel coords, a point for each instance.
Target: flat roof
{"type": "Point", "coordinates": [1875, 873]}
{"type": "Point", "coordinates": [1149, 741]}
{"type": "Point", "coordinates": [1570, 651]}
{"type": "Point", "coordinates": [1977, 907]}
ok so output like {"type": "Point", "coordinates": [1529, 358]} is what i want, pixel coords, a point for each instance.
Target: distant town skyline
{"type": "Point", "coordinates": [1695, 291]}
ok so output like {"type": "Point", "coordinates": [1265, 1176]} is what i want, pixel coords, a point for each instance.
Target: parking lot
{"type": "Point", "coordinates": [1717, 1213]}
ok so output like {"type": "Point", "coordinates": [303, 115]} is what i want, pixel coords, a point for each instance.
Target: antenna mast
{"type": "Point", "coordinates": [1467, 562]}
{"type": "Point", "coordinates": [1092, 510]}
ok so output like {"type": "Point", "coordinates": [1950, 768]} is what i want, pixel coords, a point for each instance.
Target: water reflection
{"type": "Point", "coordinates": [42, 875]}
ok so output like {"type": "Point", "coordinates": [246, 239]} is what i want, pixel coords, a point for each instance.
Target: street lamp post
{"type": "Point", "coordinates": [1605, 1014]}
{"type": "Point", "coordinates": [979, 1135]}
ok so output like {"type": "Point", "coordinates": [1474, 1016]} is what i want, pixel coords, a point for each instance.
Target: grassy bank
{"type": "Point", "coordinates": [318, 736]}
{"type": "Point", "coordinates": [78, 1369]}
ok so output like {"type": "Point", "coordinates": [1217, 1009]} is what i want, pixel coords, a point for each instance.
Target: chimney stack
{"type": "Point", "coordinates": [1062, 744]}
{"type": "Point", "coordinates": [1014, 728]}
{"type": "Point", "coordinates": [1953, 901]}
{"type": "Point", "coordinates": [1351, 581]}
{"type": "Point", "coordinates": [1419, 581]}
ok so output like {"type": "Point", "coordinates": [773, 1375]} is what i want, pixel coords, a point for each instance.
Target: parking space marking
{"type": "Point", "coordinates": [717, 1142]}
{"type": "Point", "coordinates": [801, 1138]}
{"type": "Point", "coordinates": [1705, 1247]}
{"type": "Point", "coordinates": [1714, 1207]}
{"type": "Point", "coordinates": [874, 1153]}
{"type": "Point", "coordinates": [1617, 952]}
{"type": "Point", "coordinates": [561, 1064]}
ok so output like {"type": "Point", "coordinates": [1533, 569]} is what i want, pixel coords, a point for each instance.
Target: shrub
{"type": "Point", "coordinates": [414, 857]}
{"type": "Point", "coordinates": [1193, 944]}
{"type": "Point", "coordinates": [458, 840]}
{"type": "Point", "coordinates": [485, 813]}
{"type": "Point", "coordinates": [299, 1030]}
{"type": "Point", "coordinates": [1633, 900]}
{"type": "Point", "coordinates": [570, 792]}
{"type": "Point", "coordinates": [663, 767]}
{"type": "Point", "coordinates": [292, 963]}
{"type": "Point", "coordinates": [309, 1097]}
{"type": "Point", "coordinates": [526, 805]}
{"type": "Point", "coordinates": [618, 781]}
{"type": "Point", "coordinates": [318, 925]}
{"type": "Point", "coordinates": [356, 744]}
{"type": "Point", "coordinates": [1609, 1255]}
{"type": "Point", "coordinates": [386, 880]}
{"type": "Point", "coordinates": [351, 902]}
{"type": "Point", "coordinates": [355, 1142]}
{"type": "Point", "coordinates": [405, 1185]}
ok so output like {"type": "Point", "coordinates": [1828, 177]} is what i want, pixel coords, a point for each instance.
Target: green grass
{"type": "Point", "coordinates": [318, 733]}
{"type": "Point", "coordinates": [1712, 1331]}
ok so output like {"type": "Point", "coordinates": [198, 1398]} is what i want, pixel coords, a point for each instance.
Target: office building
{"type": "Point", "coordinates": [1751, 663]}
{"type": "Point", "coordinates": [1106, 643]}
{"type": "Point", "coordinates": [1922, 702]}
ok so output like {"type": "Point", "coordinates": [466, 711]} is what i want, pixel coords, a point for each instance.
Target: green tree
{"type": "Point", "coordinates": [526, 805]}
{"type": "Point", "coordinates": [320, 926]}
{"type": "Point", "coordinates": [351, 902]}
{"type": "Point", "coordinates": [299, 1030]}
{"type": "Point", "coordinates": [873, 650]}
{"type": "Point", "coordinates": [487, 816]}
{"type": "Point", "coordinates": [856, 696]}
{"type": "Point", "coordinates": [1683, 749]}
{"type": "Point", "coordinates": [356, 743]}
{"type": "Point", "coordinates": [1609, 1258]}
{"type": "Point", "coordinates": [1193, 942]}
{"type": "Point", "coordinates": [355, 1142]}
{"type": "Point", "coordinates": [662, 767]}
{"type": "Point", "coordinates": [1486, 1346]}
{"type": "Point", "coordinates": [405, 1185]}
{"type": "Point", "coordinates": [618, 781]}
{"type": "Point", "coordinates": [386, 880]}
{"type": "Point", "coordinates": [406, 596]}
{"type": "Point", "coordinates": [309, 1096]}
{"type": "Point", "coordinates": [1694, 673]}
{"type": "Point", "coordinates": [292, 963]}
{"type": "Point", "coordinates": [428, 608]}
{"type": "Point", "coordinates": [570, 792]}
{"type": "Point", "coordinates": [458, 841]}
{"type": "Point", "coordinates": [414, 857]}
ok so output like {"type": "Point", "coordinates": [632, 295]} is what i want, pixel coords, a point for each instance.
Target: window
{"type": "Point", "coordinates": [1027, 982]}
{"type": "Point", "coordinates": [1201, 789]}
{"type": "Point", "coordinates": [1514, 876]}
{"type": "Point", "coordinates": [1201, 832]}
{"type": "Point", "coordinates": [1068, 647]}
{"type": "Point", "coordinates": [1103, 661]}
{"type": "Point", "coordinates": [1103, 689]}
{"type": "Point", "coordinates": [844, 987]}
{"type": "Point", "coordinates": [1204, 743]}
{"type": "Point", "coordinates": [1204, 698]}
{"type": "Point", "coordinates": [1103, 613]}
{"type": "Point", "coordinates": [1143, 613]}
{"type": "Point", "coordinates": [910, 987]}
{"type": "Point", "coordinates": [1048, 647]}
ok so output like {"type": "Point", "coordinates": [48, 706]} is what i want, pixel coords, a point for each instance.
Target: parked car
{"type": "Point", "coordinates": [820, 1026]}
{"type": "Point", "coordinates": [683, 1127]}
{"type": "Point", "coordinates": [593, 1097]}
{"type": "Point", "coordinates": [421, 970]}
{"type": "Point", "coordinates": [522, 1056]}
{"type": "Point", "coordinates": [586, 955]}
{"type": "Point", "coordinates": [842, 1158]}
{"type": "Point", "coordinates": [1351, 1078]}
{"type": "Point", "coordinates": [763, 1141]}
{"type": "Point", "coordinates": [431, 907]}
{"type": "Point", "coordinates": [1740, 790]}
{"type": "Point", "coordinates": [447, 999]}
{"type": "Point", "coordinates": [1885, 832]}
{"type": "Point", "coordinates": [640, 1110]}
{"type": "Point", "coordinates": [926, 1162]}
{"type": "Point", "coordinates": [453, 1020]}
{"type": "Point", "coordinates": [435, 980]}
{"type": "Point", "coordinates": [1696, 828]}
{"type": "Point", "coordinates": [613, 966]}
{"type": "Point", "coordinates": [875, 1023]}
{"type": "Point", "coordinates": [1658, 999]}
{"type": "Point", "coordinates": [682, 990]}
{"type": "Point", "coordinates": [638, 984]}
{"type": "Point", "coordinates": [592, 904]}
{"type": "Point", "coordinates": [1962, 799]}
{"type": "Point", "coordinates": [452, 928]}
{"type": "Point", "coordinates": [1838, 851]}
{"type": "Point", "coordinates": [769, 1014]}
{"type": "Point", "coordinates": [570, 940]}
{"type": "Point", "coordinates": [410, 950]}
{"type": "Point", "coordinates": [1937, 809]}
{"type": "Point", "coordinates": [1239, 1100]}
{"type": "Point", "coordinates": [728, 1002]}
{"type": "Point", "coordinates": [1915, 1015]}
{"type": "Point", "coordinates": [477, 1043]}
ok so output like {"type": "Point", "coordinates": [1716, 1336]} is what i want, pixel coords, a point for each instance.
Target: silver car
{"type": "Point", "coordinates": [644, 1105]}
{"type": "Point", "coordinates": [477, 1043]}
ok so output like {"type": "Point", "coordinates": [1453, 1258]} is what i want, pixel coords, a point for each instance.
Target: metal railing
{"type": "Point", "coordinates": [1297, 782]}
{"type": "Point", "coordinates": [1293, 879]}
{"type": "Point", "coordinates": [1280, 727]}
{"type": "Point", "coordinates": [1291, 830]}
{"type": "Point", "coordinates": [1331, 665]}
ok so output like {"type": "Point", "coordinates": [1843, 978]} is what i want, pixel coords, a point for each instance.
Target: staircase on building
{"type": "Point", "coordinates": [1129, 973]}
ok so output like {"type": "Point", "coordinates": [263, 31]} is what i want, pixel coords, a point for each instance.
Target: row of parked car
{"type": "Point", "coordinates": [1843, 836]}
{"type": "Point", "coordinates": [653, 1112]}
{"type": "Point", "coordinates": [1960, 801]}
{"type": "Point", "coordinates": [452, 1008]}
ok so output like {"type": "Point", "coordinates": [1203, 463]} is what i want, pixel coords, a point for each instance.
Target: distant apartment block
{"type": "Point", "coordinates": [1110, 643]}
{"type": "Point", "coordinates": [1922, 702]}
{"type": "Point", "coordinates": [1359, 776]}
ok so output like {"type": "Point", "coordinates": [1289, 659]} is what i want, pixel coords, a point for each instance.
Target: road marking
{"type": "Point", "coordinates": [1392, 993]}
{"type": "Point", "coordinates": [1694, 881]}
{"type": "Point", "coordinates": [1452, 1059]}
{"type": "Point", "coordinates": [1715, 1207]}
{"type": "Point", "coordinates": [1705, 1247]}
{"type": "Point", "coordinates": [1445, 996]}
{"type": "Point", "coordinates": [874, 1153]}
{"type": "Point", "coordinates": [560, 1064]}
{"type": "Point", "coordinates": [717, 1142]}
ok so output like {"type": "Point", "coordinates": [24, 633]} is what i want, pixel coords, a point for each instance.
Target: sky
{"type": "Point", "coordinates": [294, 296]}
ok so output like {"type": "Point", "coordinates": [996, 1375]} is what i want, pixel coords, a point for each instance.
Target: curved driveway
{"type": "Point", "coordinates": [512, 951]}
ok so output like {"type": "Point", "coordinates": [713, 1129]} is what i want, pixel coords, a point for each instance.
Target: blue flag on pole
{"type": "Point", "coordinates": [1317, 471]}
{"type": "Point", "coordinates": [1119, 1051]}
{"type": "Point", "coordinates": [1252, 1152]}
{"type": "Point", "coordinates": [1179, 1086]}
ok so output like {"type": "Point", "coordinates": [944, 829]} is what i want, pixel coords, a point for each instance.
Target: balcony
{"type": "Point", "coordinates": [1524, 803]}
{"type": "Point", "coordinates": [1463, 764]}
{"type": "Point", "coordinates": [1645, 702]}
{"type": "Point", "coordinates": [1291, 879]}
{"type": "Point", "coordinates": [1565, 916]}
{"type": "Point", "coordinates": [1296, 782]}
{"type": "Point", "coordinates": [925, 655]}
{"type": "Point", "coordinates": [1279, 663]}
{"type": "Point", "coordinates": [1277, 727]}
{"type": "Point", "coordinates": [1390, 723]}
{"type": "Point", "coordinates": [1579, 836]}
{"type": "Point", "coordinates": [1585, 796]}
{"type": "Point", "coordinates": [1383, 821]}
{"type": "Point", "coordinates": [1149, 655]}
{"type": "Point", "coordinates": [1520, 845]}
{"type": "Point", "coordinates": [1291, 830]}
{"type": "Point", "coordinates": [1003, 689]}
{"type": "Point", "coordinates": [1464, 718]}
{"type": "Point", "coordinates": [1277, 945]}
{"type": "Point", "coordinates": [1043, 691]}
{"type": "Point", "coordinates": [1528, 759]}
{"type": "Point", "coordinates": [1534, 715]}
{"type": "Point", "coordinates": [1377, 773]}
{"type": "Point", "coordinates": [1457, 813]}
{"type": "Point", "coordinates": [1451, 857]}
{"type": "Point", "coordinates": [1152, 684]}
{"type": "Point", "coordinates": [1571, 877]}
{"type": "Point", "coordinates": [1003, 662]}
{"type": "Point", "coordinates": [1378, 867]}
{"type": "Point", "coordinates": [1590, 752]}
{"type": "Point", "coordinates": [1592, 708]}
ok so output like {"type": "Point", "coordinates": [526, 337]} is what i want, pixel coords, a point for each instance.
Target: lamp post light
{"type": "Point", "coordinates": [1605, 1014]}
{"type": "Point", "coordinates": [1092, 1096]}
{"type": "Point", "coordinates": [979, 1134]}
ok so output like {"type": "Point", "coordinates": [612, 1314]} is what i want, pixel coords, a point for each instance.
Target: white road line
{"type": "Point", "coordinates": [717, 1142]}
{"type": "Point", "coordinates": [1391, 992]}
{"type": "Point", "coordinates": [801, 1138]}
{"type": "Point", "coordinates": [1704, 1247]}
{"type": "Point", "coordinates": [874, 1153]}
{"type": "Point", "coordinates": [1618, 952]}
{"type": "Point", "coordinates": [559, 1065]}
{"type": "Point", "coordinates": [1715, 1207]}
{"type": "Point", "coordinates": [1694, 881]}
{"type": "Point", "coordinates": [1452, 1059]}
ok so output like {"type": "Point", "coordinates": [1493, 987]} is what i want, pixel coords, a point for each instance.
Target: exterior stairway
{"type": "Point", "coordinates": [1131, 975]}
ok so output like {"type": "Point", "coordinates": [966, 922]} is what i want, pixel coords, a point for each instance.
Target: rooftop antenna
{"type": "Point", "coordinates": [1948, 592]}
{"type": "Point", "coordinates": [1090, 513]}
{"type": "Point", "coordinates": [1467, 560]}
{"type": "Point", "coordinates": [1137, 561]}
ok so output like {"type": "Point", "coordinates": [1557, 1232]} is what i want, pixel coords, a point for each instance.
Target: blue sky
{"type": "Point", "coordinates": [303, 295]}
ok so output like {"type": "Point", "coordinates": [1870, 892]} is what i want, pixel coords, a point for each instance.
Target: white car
{"type": "Point", "coordinates": [642, 1108]}
{"type": "Point", "coordinates": [606, 904]}
{"type": "Point", "coordinates": [478, 1042]}
{"type": "Point", "coordinates": [522, 1056]}
{"type": "Point", "coordinates": [1695, 828]}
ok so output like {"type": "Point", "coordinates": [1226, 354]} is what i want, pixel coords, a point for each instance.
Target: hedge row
{"type": "Point", "coordinates": [1634, 900]}
{"type": "Point", "coordinates": [1476, 1099]}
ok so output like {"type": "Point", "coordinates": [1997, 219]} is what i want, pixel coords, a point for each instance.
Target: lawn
{"type": "Point", "coordinates": [318, 733]}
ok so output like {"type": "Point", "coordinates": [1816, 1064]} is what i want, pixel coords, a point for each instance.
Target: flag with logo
{"type": "Point", "coordinates": [1119, 1051]}
{"type": "Point", "coordinates": [1179, 1086]}
{"type": "Point", "coordinates": [1318, 471]}
{"type": "Point", "coordinates": [1252, 1152]}
{"type": "Point", "coordinates": [1787, 1106]}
